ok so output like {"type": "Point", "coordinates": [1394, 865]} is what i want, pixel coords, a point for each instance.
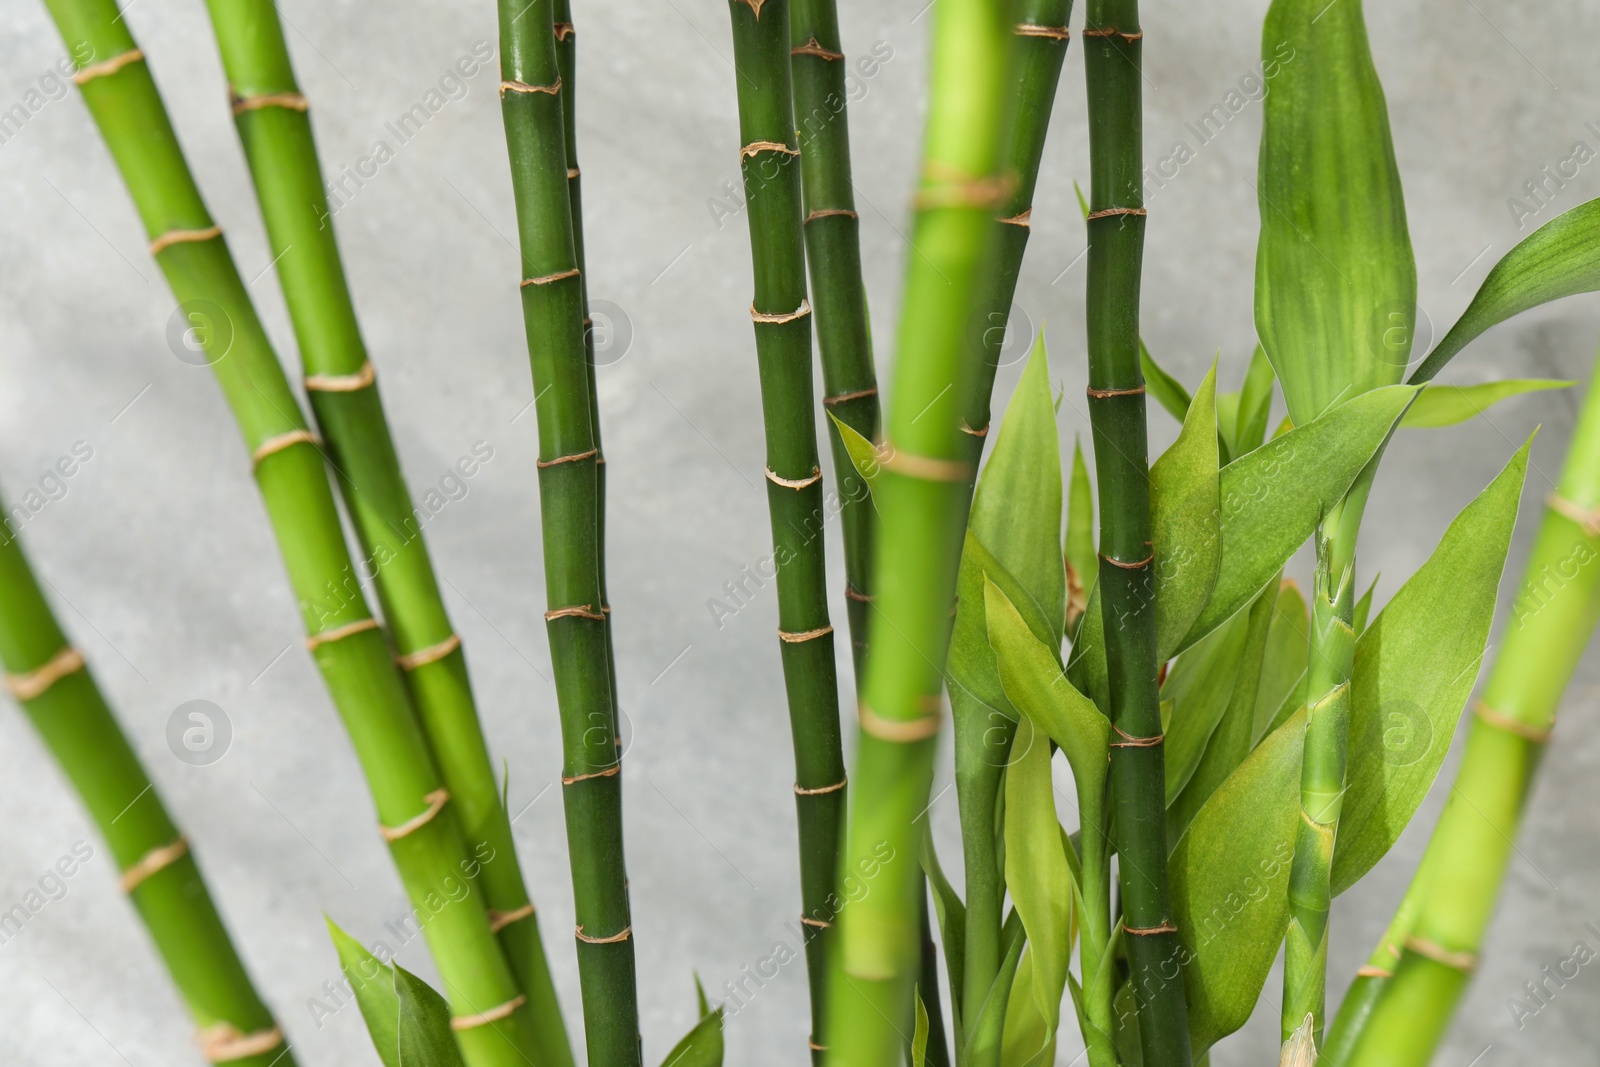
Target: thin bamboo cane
{"type": "Point", "coordinates": [1555, 613]}
{"type": "Point", "coordinates": [1112, 42]}
{"type": "Point", "coordinates": [833, 253]}
{"type": "Point", "coordinates": [417, 822]}
{"type": "Point", "coordinates": [50, 681]}
{"type": "Point", "coordinates": [782, 319]}
{"type": "Point", "coordinates": [1039, 49]}
{"type": "Point", "coordinates": [921, 494]}
{"type": "Point", "coordinates": [273, 124]}
{"type": "Point", "coordinates": [552, 308]}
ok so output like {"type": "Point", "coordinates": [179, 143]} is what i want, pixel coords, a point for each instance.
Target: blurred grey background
{"type": "Point", "coordinates": [163, 570]}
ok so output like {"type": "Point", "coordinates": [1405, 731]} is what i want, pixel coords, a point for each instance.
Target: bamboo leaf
{"type": "Point", "coordinates": [1167, 390]}
{"type": "Point", "coordinates": [375, 993]}
{"type": "Point", "coordinates": [1255, 403]}
{"type": "Point", "coordinates": [1016, 508]}
{"type": "Point", "coordinates": [1230, 885]}
{"type": "Point", "coordinates": [1273, 497]}
{"type": "Point", "coordinates": [1082, 563]}
{"type": "Point", "coordinates": [1185, 505]}
{"type": "Point", "coordinates": [1028, 1040]}
{"type": "Point", "coordinates": [1363, 608]}
{"type": "Point", "coordinates": [1037, 872]}
{"type": "Point", "coordinates": [919, 1034]}
{"type": "Point", "coordinates": [425, 1037]}
{"type": "Point", "coordinates": [952, 917]}
{"type": "Point", "coordinates": [971, 658]}
{"type": "Point", "coordinates": [1560, 258]}
{"type": "Point", "coordinates": [1284, 664]}
{"type": "Point", "coordinates": [1200, 686]}
{"type": "Point", "coordinates": [1446, 405]}
{"type": "Point", "coordinates": [1227, 420]}
{"type": "Point", "coordinates": [1336, 284]}
{"type": "Point", "coordinates": [701, 1046]}
{"type": "Point", "coordinates": [864, 455]}
{"type": "Point", "coordinates": [1415, 667]}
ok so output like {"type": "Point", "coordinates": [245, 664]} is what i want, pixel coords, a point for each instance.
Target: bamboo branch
{"type": "Point", "coordinates": [271, 115]}
{"type": "Point", "coordinates": [552, 308]}
{"type": "Point", "coordinates": [1112, 39]}
{"type": "Point", "coordinates": [50, 681]}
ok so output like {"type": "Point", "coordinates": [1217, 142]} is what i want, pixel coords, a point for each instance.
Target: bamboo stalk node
{"type": "Point", "coordinates": [1588, 518]}
{"type": "Point", "coordinates": [410, 661]}
{"type": "Point", "coordinates": [1110, 212]}
{"type": "Point", "coordinates": [436, 802]}
{"type": "Point", "coordinates": [928, 468]}
{"type": "Point", "coordinates": [611, 771]}
{"type": "Point", "coordinates": [753, 5]}
{"type": "Point", "coordinates": [1501, 721]}
{"type": "Point", "coordinates": [795, 483]}
{"type": "Point", "coordinates": [1369, 971]}
{"type": "Point", "coordinates": [791, 638]}
{"type": "Point", "coordinates": [814, 1046]}
{"type": "Point", "coordinates": [499, 920]}
{"type": "Point", "coordinates": [579, 612]}
{"type": "Point", "coordinates": [1134, 566]}
{"type": "Point", "coordinates": [814, 47]}
{"type": "Point", "coordinates": [900, 731]}
{"type": "Point", "coordinates": [573, 458]}
{"type": "Point", "coordinates": [627, 932]}
{"type": "Point", "coordinates": [852, 593]}
{"type": "Point", "coordinates": [1465, 962]}
{"type": "Point", "coordinates": [840, 398]}
{"type": "Point", "coordinates": [1150, 931]}
{"type": "Point", "coordinates": [1055, 33]}
{"type": "Point", "coordinates": [820, 790]}
{"type": "Point", "coordinates": [755, 148]}
{"type": "Point", "coordinates": [281, 442]}
{"type": "Point", "coordinates": [224, 1042]}
{"type": "Point", "coordinates": [574, 172]}
{"type": "Point", "coordinates": [342, 383]}
{"type": "Point", "coordinates": [1101, 394]}
{"type": "Point", "coordinates": [109, 66]}
{"type": "Point", "coordinates": [291, 101]}
{"type": "Point", "coordinates": [1129, 741]}
{"type": "Point", "coordinates": [179, 237]}
{"type": "Point", "coordinates": [339, 633]}
{"type": "Point", "coordinates": [1025, 220]}
{"type": "Point", "coordinates": [564, 30]}
{"type": "Point", "coordinates": [511, 85]}
{"type": "Point", "coordinates": [546, 279]}
{"type": "Point", "coordinates": [948, 186]}
{"type": "Point", "coordinates": [816, 924]}
{"type": "Point", "coordinates": [36, 682]}
{"type": "Point", "coordinates": [975, 433]}
{"type": "Point", "coordinates": [1112, 31]}
{"type": "Point", "coordinates": [494, 1014]}
{"type": "Point", "coordinates": [830, 212]}
{"type": "Point", "coordinates": [153, 862]}
{"type": "Point", "coordinates": [781, 317]}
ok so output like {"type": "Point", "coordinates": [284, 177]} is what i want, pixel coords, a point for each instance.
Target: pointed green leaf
{"type": "Point", "coordinates": [1227, 423]}
{"type": "Point", "coordinates": [1446, 405]}
{"type": "Point", "coordinates": [375, 995]}
{"type": "Point", "coordinates": [426, 1039]}
{"type": "Point", "coordinates": [1016, 508]}
{"type": "Point", "coordinates": [1167, 390]}
{"type": "Point", "coordinates": [1082, 562]}
{"type": "Point", "coordinates": [919, 1034]}
{"type": "Point", "coordinates": [1028, 1039]}
{"type": "Point", "coordinates": [864, 456]}
{"type": "Point", "coordinates": [1037, 872]}
{"type": "Point", "coordinates": [1415, 667]}
{"type": "Point", "coordinates": [1230, 885]}
{"type": "Point", "coordinates": [971, 659]}
{"type": "Point", "coordinates": [1560, 258]}
{"type": "Point", "coordinates": [1273, 497]}
{"type": "Point", "coordinates": [1363, 609]}
{"type": "Point", "coordinates": [1284, 663]}
{"type": "Point", "coordinates": [1336, 284]}
{"type": "Point", "coordinates": [701, 1046]}
{"type": "Point", "coordinates": [1255, 403]}
{"type": "Point", "coordinates": [1185, 505]}
{"type": "Point", "coordinates": [952, 916]}
{"type": "Point", "coordinates": [1200, 686]}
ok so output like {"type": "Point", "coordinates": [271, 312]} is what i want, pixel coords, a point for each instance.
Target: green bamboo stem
{"type": "Point", "coordinates": [1112, 40]}
{"type": "Point", "coordinates": [552, 309]}
{"type": "Point", "coordinates": [48, 678]}
{"type": "Point", "coordinates": [794, 477]}
{"type": "Point", "coordinates": [982, 738]}
{"type": "Point", "coordinates": [922, 494]}
{"type": "Point", "coordinates": [1554, 616]}
{"type": "Point", "coordinates": [367, 688]}
{"type": "Point", "coordinates": [838, 292]}
{"type": "Point", "coordinates": [273, 124]}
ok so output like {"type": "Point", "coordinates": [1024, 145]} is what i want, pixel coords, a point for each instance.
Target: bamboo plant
{"type": "Point", "coordinates": [275, 127]}
{"type": "Point", "coordinates": [51, 681]}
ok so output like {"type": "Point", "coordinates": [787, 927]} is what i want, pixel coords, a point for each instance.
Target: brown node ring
{"type": "Point", "coordinates": [820, 790]}
{"type": "Point", "coordinates": [1150, 931]}
{"type": "Point", "coordinates": [153, 862]}
{"type": "Point", "coordinates": [1587, 518]}
{"type": "Point", "coordinates": [830, 212]}
{"type": "Point", "coordinates": [814, 47]}
{"type": "Point", "coordinates": [436, 802]}
{"type": "Point", "coordinates": [1129, 741]}
{"type": "Point", "coordinates": [928, 468]}
{"type": "Point", "coordinates": [627, 932]}
{"type": "Point", "coordinates": [38, 681]}
{"type": "Point", "coordinates": [1112, 31]}
{"type": "Point", "coordinates": [410, 661]}
{"type": "Point", "coordinates": [1106, 213]}
{"type": "Point", "coordinates": [339, 633]}
{"type": "Point", "coordinates": [781, 317]}
{"type": "Point", "coordinates": [511, 85]}
{"type": "Point", "coordinates": [755, 148]}
{"type": "Point", "coordinates": [796, 484]}
{"type": "Point", "coordinates": [282, 441]}
{"type": "Point", "coordinates": [1055, 33]}
{"type": "Point", "coordinates": [840, 398]}
{"type": "Point", "coordinates": [109, 66]}
{"type": "Point", "coordinates": [1025, 220]}
{"type": "Point", "coordinates": [564, 30]}
{"type": "Point", "coordinates": [579, 612]}
{"type": "Point", "coordinates": [975, 433]}
{"type": "Point", "coordinates": [815, 924]}
{"type": "Point", "coordinates": [342, 383]}
{"type": "Point", "coordinates": [1139, 565]}
{"type": "Point", "coordinates": [494, 1014]}
{"type": "Point", "coordinates": [573, 458]}
{"type": "Point", "coordinates": [225, 1043]}
{"type": "Point", "coordinates": [181, 237]}
{"type": "Point", "coordinates": [290, 101]}
{"type": "Point", "coordinates": [1501, 721]}
{"type": "Point", "coordinates": [793, 638]}
{"type": "Point", "coordinates": [611, 771]}
{"type": "Point", "coordinates": [546, 279]}
{"type": "Point", "coordinates": [1465, 962]}
{"type": "Point", "coordinates": [900, 731]}
{"type": "Point", "coordinates": [1101, 394]}
{"type": "Point", "coordinates": [499, 920]}
{"type": "Point", "coordinates": [852, 593]}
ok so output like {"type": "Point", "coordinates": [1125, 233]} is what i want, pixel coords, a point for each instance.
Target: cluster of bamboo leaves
{"type": "Point", "coordinates": [1230, 735]}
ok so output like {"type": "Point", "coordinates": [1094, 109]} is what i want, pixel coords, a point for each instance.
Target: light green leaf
{"type": "Point", "coordinates": [919, 1033]}
{"type": "Point", "coordinates": [1227, 419]}
{"type": "Point", "coordinates": [971, 659]}
{"type": "Point", "coordinates": [1363, 609]}
{"type": "Point", "coordinates": [375, 993]}
{"type": "Point", "coordinates": [1336, 284]}
{"type": "Point", "coordinates": [1037, 872]}
{"type": "Point", "coordinates": [1415, 667]}
{"type": "Point", "coordinates": [1167, 390]}
{"type": "Point", "coordinates": [1230, 885]}
{"type": "Point", "coordinates": [1446, 405]}
{"type": "Point", "coordinates": [1200, 685]}
{"type": "Point", "coordinates": [426, 1039]}
{"type": "Point", "coordinates": [1028, 1040]}
{"type": "Point", "coordinates": [1083, 564]}
{"type": "Point", "coordinates": [1284, 664]}
{"type": "Point", "coordinates": [864, 455]}
{"type": "Point", "coordinates": [1016, 508]}
{"type": "Point", "coordinates": [1255, 404]}
{"type": "Point", "coordinates": [1083, 202]}
{"type": "Point", "coordinates": [701, 1046]}
{"type": "Point", "coordinates": [1273, 497]}
{"type": "Point", "coordinates": [1185, 505]}
{"type": "Point", "coordinates": [1560, 258]}
{"type": "Point", "coordinates": [952, 916]}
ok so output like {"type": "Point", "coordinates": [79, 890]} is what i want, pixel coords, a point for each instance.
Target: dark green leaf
{"type": "Point", "coordinates": [1082, 562]}
{"type": "Point", "coordinates": [1167, 390]}
{"type": "Point", "coordinates": [1199, 686]}
{"type": "Point", "coordinates": [1284, 664]}
{"type": "Point", "coordinates": [1255, 404]}
{"type": "Point", "coordinates": [426, 1039]}
{"type": "Point", "coordinates": [863, 454]}
{"type": "Point", "coordinates": [1446, 405]}
{"type": "Point", "coordinates": [952, 916]}
{"type": "Point", "coordinates": [701, 1046]}
{"type": "Point", "coordinates": [1185, 504]}
{"type": "Point", "coordinates": [375, 994]}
